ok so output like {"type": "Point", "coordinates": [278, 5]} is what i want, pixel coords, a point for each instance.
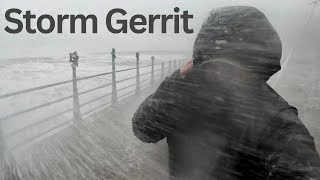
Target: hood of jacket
{"type": "Point", "coordinates": [243, 35]}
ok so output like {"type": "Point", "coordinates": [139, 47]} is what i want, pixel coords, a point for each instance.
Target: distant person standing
{"type": "Point", "coordinates": [221, 119]}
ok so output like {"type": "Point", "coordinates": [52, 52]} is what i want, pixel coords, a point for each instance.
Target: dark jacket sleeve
{"type": "Point", "coordinates": [295, 156]}
{"type": "Point", "coordinates": [158, 114]}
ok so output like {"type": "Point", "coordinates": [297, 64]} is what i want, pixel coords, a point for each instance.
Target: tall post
{"type": "Point", "coordinates": [152, 70]}
{"type": "Point", "coordinates": [169, 71]}
{"type": "Point", "coordinates": [74, 58]}
{"type": "Point", "coordinates": [138, 75]}
{"type": "Point", "coordinates": [114, 84]}
{"type": "Point", "coordinates": [162, 70]}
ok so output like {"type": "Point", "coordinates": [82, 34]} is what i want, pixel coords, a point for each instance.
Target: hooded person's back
{"type": "Point", "coordinates": [222, 121]}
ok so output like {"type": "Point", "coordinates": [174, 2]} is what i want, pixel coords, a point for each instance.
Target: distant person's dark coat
{"type": "Point", "coordinates": [225, 127]}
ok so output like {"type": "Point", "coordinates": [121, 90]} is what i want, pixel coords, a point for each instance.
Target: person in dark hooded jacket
{"type": "Point", "coordinates": [221, 119]}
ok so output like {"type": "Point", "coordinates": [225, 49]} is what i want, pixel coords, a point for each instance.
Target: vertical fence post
{"type": "Point", "coordinates": [169, 71]}
{"type": "Point", "coordinates": [114, 84]}
{"type": "Point", "coordinates": [175, 65]}
{"type": "Point", "coordinates": [74, 58]}
{"type": "Point", "coordinates": [162, 70]}
{"type": "Point", "coordinates": [138, 75]}
{"type": "Point", "coordinates": [152, 70]}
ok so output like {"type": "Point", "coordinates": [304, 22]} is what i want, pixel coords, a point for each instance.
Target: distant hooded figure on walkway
{"type": "Point", "coordinates": [221, 119]}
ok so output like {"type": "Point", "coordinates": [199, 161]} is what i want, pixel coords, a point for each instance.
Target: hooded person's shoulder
{"type": "Point", "coordinates": [278, 104]}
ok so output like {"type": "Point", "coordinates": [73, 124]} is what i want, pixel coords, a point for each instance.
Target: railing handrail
{"type": "Point", "coordinates": [63, 82]}
{"type": "Point", "coordinates": [70, 96]}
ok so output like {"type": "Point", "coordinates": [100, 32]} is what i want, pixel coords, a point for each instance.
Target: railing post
{"type": "Point", "coordinates": [169, 71]}
{"type": "Point", "coordinates": [175, 65]}
{"type": "Point", "coordinates": [74, 58]}
{"type": "Point", "coordinates": [114, 84]}
{"type": "Point", "coordinates": [162, 70]}
{"type": "Point", "coordinates": [152, 70]}
{"type": "Point", "coordinates": [138, 75]}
